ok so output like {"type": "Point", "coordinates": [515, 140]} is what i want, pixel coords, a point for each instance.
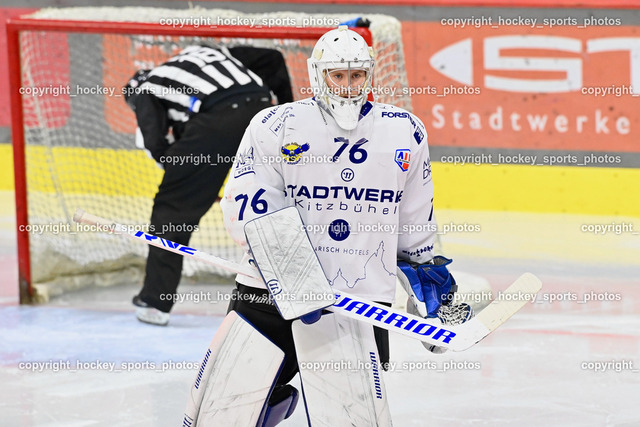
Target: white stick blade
{"type": "Point", "coordinates": [77, 216]}
{"type": "Point", "coordinates": [516, 296]}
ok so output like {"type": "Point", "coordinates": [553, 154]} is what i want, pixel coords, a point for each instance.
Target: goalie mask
{"type": "Point", "coordinates": [340, 73]}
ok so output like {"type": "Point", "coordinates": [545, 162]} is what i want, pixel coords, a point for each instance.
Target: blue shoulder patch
{"type": "Point", "coordinates": [418, 135]}
{"type": "Point", "coordinates": [366, 108]}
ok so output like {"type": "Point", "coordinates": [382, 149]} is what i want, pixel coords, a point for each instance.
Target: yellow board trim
{"type": "Point", "coordinates": [6, 168]}
{"type": "Point", "coordinates": [551, 189]}
{"type": "Point", "coordinates": [81, 170]}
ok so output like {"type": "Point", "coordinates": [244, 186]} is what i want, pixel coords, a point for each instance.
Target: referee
{"type": "Point", "coordinates": [195, 107]}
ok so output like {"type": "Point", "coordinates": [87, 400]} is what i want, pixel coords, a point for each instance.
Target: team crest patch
{"type": "Point", "coordinates": [403, 157]}
{"type": "Point", "coordinates": [244, 163]}
{"type": "Point", "coordinates": [293, 152]}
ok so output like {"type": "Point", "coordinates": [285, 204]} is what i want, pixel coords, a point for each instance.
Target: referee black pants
{"type": "Point", "coordinates": [207, 146]}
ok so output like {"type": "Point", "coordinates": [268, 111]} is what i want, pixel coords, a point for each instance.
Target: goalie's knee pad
{"type": "Point", "coordinates": [282, 403]}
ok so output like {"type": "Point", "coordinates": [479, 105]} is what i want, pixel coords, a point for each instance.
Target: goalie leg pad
{"type": "Point", "coordinates": [235, 378]}
{"type": "Point", "coordinates": [288, 264]}
{"type": "Point", "coordinates": [257, 308]}
{"type": "Point", "coordinates": [341, 376]}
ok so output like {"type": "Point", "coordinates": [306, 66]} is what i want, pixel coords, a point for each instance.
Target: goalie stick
{"type": "Point", "coordinates": [429, 330]}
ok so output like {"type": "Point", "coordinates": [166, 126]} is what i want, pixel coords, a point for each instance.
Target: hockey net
{"type": "Point", "coordinates": [74, 135]}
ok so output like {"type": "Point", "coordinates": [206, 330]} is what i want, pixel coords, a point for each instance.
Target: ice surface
{"type": "Point", "coordinates": [537, 369]}
{"type": "Point", "coordinates": [573, 361]}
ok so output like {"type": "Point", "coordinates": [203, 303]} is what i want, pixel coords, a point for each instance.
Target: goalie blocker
{"type": "Point", "coordinates": [288, 263]}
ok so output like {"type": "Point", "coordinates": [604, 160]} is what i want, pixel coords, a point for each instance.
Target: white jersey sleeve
{"type": "Point", "coordinates": [417, 225]}
{"type": "Point", "coordinates": [255, 183]}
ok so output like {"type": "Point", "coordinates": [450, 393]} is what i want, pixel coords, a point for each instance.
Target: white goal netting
{"type": "Point", "coordinates": [79, 133]}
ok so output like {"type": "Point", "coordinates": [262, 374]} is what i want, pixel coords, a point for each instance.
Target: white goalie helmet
{"type": "Point", "coordinates": [345, 50]}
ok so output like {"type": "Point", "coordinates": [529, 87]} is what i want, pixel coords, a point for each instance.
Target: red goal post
{"type": "Point", "coordinates": [75, 149]}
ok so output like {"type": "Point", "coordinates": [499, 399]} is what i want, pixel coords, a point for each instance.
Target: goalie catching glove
{"type": "Point", "coordinates": [431, 284]}
{"type": "Point", "coordinates": [431, 289]}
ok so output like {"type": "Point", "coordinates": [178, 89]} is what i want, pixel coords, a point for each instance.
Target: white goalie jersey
{"type": "Point", "coordinates": [365, 196]}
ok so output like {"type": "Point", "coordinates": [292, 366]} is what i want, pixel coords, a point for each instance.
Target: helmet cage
{"type": "Point", "coordinates": [343, 99]}
{"type": "Point", "coordinates": [341, 49]}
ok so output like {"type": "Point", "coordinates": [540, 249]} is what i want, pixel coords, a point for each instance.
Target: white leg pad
{"type": "Point", "coordinates": [341, 375]}
{"type": "Point", "coordinates": [236, 377]}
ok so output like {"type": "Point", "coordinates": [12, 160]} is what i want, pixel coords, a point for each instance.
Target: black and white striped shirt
{"type": "Point", "coordinates": [197, 79]}
{"type": "Point", "coordinates": [199, 74]}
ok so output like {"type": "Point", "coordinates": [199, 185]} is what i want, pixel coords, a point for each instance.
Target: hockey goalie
{"type": "Point", "coordinates": [328, 195]}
